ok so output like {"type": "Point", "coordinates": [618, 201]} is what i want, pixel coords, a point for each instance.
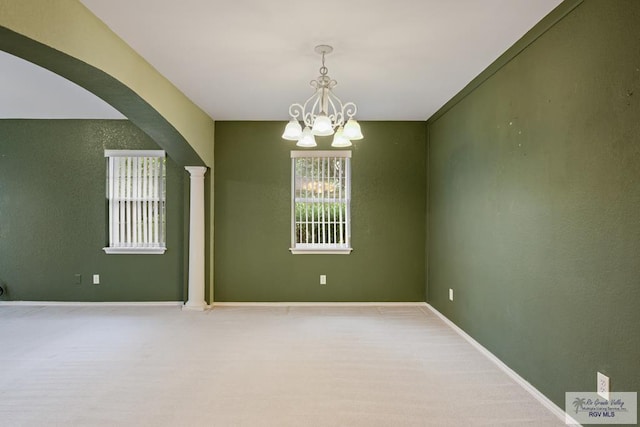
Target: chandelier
{"type": "Point", "coordinates": [323, 113]}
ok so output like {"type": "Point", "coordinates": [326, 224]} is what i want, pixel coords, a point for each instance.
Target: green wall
{"type": "Point", "coordinates": [534, 197]}
{"type": "Point", "coordinates": [53, 218]}
{"type": "Point", "coordinates": [253, 218]}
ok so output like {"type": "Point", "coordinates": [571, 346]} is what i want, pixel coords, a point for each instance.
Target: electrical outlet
{"type": "Point", "coordinates": [603, 386]}
{"type": "Point", "coordinates": [78, 278]}
{"type": "Point", "coordinates": [323, 279]}
{"type": "Point", "coordinates": [96, 279]}
{"type": "Point", "coordinates": [450, 294]}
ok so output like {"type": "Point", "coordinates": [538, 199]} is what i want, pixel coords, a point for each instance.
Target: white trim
{"type": "Point", "coordinates": [137, 201]}
{"type": "Point", "coordinates": [95, 304]}
{"type": "Point", "coordinates": [544, 400]}
{"type": "Point", "coordinates": [316, 232]}
{"type": "Point", "coordinates": [321, 153]}
{"type": "Point", "coordinates": [134, 153]}
{"type": "Point", "coordinates": [141, 251]}
{"type": "Point", "coordinates": [316, 304]}
{"type": "Point", "coordinates": [318, 251]}
{"type": "Point", "coordinates": [196, 307]}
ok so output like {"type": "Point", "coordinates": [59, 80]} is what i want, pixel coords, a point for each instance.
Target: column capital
{"type": "Point", "coordinates": [196, 171]}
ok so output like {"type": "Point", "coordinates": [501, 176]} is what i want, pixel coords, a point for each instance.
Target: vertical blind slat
{"type": "Point", "coordinates": [340, 197]}
{"type": "Point", "coordinates": [144, 231]}
{"type": "Point", "coordinates": [321, 162]}
{"type": "Point", "coordinates": [135, 202]}
{"type": "Point", "coordinates": [306, 205]}
{"type": "Point", "coordinates": [313, 203]}
{"type": "Point", "coordinates": [149, 200]}
{"type": "Point", "coordinates": [129, 189]}
{"type": "Point", "coordinates": [121, 201]}
{"type": "Point", "coordinates": [335, 204]}
{"type": "Point", "coordinates": [139, 221]}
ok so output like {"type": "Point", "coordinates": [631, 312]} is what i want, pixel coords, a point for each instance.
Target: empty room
{"type": "Point", "coordinates": [415, 213]}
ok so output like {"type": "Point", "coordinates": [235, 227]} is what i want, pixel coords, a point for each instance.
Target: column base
{"type": "Point", "coordinates": [190, 306]}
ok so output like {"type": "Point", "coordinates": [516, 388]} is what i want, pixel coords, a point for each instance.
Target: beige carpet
{"type": "Point", "coordinates": [249, 366]}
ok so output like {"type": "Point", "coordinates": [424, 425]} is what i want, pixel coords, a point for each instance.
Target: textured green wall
{"type": "Point", "coordinates": [53, 218]}
{"type": "Point", "coordinates": [534, 197]}
{"type": "Point", "coordinates": [253, 218]}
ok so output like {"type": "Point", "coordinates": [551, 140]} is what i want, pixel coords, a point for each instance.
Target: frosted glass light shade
{"type": "Point", "coordinates": [339, 140]}
{"type": "Point", "coordinates": [352, 130]}
{"type": "Point", "coordinates": [322, 126]}
{"type": "Point", "coordinates": [307, 140]}
{"type": "Point", "coordinates": [293, 131]}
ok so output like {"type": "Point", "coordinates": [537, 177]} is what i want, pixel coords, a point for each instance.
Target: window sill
{"type": "Point", "coordinates": [318, 251]}
{"type": "Point", "coordinates": [138, 251]}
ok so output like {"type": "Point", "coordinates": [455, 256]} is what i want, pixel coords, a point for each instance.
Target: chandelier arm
{"type": "Point", "coordinates": [349, 109]}
{"type": "Point", "coordinates": [308, 114]}
{"type": "Point", "coordinates": [335, 111]}
{"type": "Point", "coordinates": [296, 111]}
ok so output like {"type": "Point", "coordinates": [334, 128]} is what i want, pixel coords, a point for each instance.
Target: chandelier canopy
{"type": "Point", "coordinates": [323, 113]}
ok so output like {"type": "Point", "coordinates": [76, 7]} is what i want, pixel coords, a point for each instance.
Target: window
{"type": "Point", "coordinates": [136, 196]}
{"type": "Point", "coordinates": [320, 202]}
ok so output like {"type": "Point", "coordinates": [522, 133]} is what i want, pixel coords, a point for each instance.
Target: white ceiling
{"type": "Point", "coordinates": [250, 59]}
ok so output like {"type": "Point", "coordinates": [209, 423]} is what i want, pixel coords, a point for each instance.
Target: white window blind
{"type": "Point", "coordinates": [136, 197]}
{"type": "Point", "coordinates": [321, 202]}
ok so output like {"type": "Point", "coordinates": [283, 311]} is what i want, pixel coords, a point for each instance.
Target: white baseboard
{"type": "Point", "coordinates": [215, 304]}
{"type": "Point", "coordinates": [316, 304]}
{"type": "Point", "coordinates": [92, 304]}
{"type": "Point", "coordinates": [557, 411]}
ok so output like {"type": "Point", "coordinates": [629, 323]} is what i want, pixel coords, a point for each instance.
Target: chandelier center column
{"type": "Point", "coordinates": [196, 300]}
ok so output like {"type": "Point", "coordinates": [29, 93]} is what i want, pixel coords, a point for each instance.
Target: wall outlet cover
{"type": "Point", "coordinates": [603, 386]}
{"type": "Point", "coordinates": [323, 279]}
{"type": "Point", "coordinates": [96, 279]}
{"type": "Point", "coordinates": [450, 294]}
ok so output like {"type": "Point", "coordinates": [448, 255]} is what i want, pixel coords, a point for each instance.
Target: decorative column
{"type": "Point", "coordinates": [196, 239]}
